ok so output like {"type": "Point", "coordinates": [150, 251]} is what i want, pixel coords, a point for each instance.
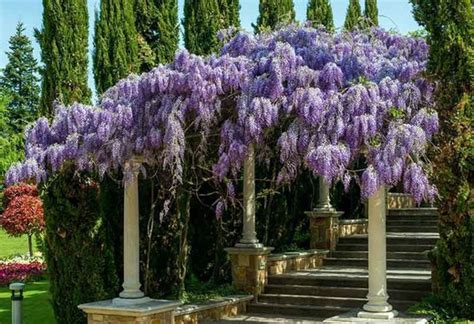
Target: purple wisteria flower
{"type": "Point", "coordinates": [317, 99]}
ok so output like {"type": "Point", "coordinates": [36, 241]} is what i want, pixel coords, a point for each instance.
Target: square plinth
{"type": "Point", "coordinates": [354, 317]}
{"type": "Point", "coordinates": [150, 312]}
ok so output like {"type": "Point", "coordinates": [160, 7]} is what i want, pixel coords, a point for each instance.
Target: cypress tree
{"type": "Point", "coordinates": [319, 12]}
{"type": "Point", "coordinates": [202, 20]}
{"type": "Point", "coordinates": [230, 12]}
{"type": "Point", "coordinates": [157, 23]}
{"type": "Point", "coordinates": [353, 15]}
{"type": "Point", "coordinates": [450, 27]}
{"type": "Point", "coordinates": [371, 13]}
{"type": "Point", "coordinates": [64, 49]}
{"type": "Point", "coordinates": [273, 13]}
{"type": "Point", "coordinates": [115, 43]}
{"type": "Point", "coordinates": [20, 81]}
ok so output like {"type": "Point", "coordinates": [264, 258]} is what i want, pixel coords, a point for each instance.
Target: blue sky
{"type": "Point", "coordinates": [393, 14]}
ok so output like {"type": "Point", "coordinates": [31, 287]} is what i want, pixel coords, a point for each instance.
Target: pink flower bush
{"type": "Point", "coordinates": [20, 270]}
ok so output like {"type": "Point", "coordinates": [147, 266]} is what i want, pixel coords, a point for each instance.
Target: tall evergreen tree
{"type": "Point", "coordinates": [202, 20]}
{"type": "Point", "coordinates": [230, 12]}
{"type": "Point", "coordinates": [115, 43]}
{"type": "Point", "coordinates": [371, 13]}
{"type": "Point", "coordinates": [319, 12]}
{"type": "Point", "coordinates": [353, 15]}
{"type": "Point", "coordinates": [157, 23]}
{"type": "Point", "coordinates": [273, 13]}
{"type": "Point", "coordinates": [64, 49]}
{"type": "Point", "coordinates": [450, 27]}
{"type": "Point", "coordinates": [20, 81]}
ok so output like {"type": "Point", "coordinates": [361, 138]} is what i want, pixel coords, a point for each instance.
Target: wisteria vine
{"type": "Point", "coordinates": [337, 96]}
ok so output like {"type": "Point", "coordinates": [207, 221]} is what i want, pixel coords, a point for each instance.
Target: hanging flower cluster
{"type": "Point", "coordinates": [336, 96]}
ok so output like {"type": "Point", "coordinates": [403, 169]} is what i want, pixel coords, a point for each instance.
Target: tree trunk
{"type": "Point", "coordinates": [30, 245]}
{"type": "Point", "coordinates": [183, 204]}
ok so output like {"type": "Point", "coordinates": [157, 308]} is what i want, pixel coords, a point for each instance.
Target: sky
{"type": "Point", "coordinates": [393, 14]}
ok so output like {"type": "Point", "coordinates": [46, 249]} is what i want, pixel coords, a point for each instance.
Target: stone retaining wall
{"type": "Point", "coordinates": [352, 226]}
{"type": "Point", "coordinates": [399, 200]}
{"type": "Point", "coordinates": [227, 306]}
{"type": "Point", "coordinates": [294, 261]}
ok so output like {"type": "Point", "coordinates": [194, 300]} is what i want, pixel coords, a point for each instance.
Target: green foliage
{"type": "Point", "coordinates": [78, 254]}
{"type": "Point", "coordinates": [64, 53]}
{"type": "Point", "coordinates": [19, 79]}
{"type": "Point", "coordinates": [353, 15]}
{"type": "Point", "coordinates": [202, 20]}
{"type": "Point", "coordinates": [157, 23]}
{"type": "Point", "coordinates": [116, 52]}
{"type": "Point", "coordinates": [450, 27]}
{"type": "Point", "coordinates": [11, 142]}
{"type": "Point", "coordinates": [371, 13]}
{"type": "Point", "coordinates": [273, 13]}
{"type": "Point", "coordinates": [319, 12]}
{"type": "Point", "coordinates": [432, 307]}
{"type": "Point", "coordinates": [197, 291]}
{"type": "Point", "coordinates": [230, 12]}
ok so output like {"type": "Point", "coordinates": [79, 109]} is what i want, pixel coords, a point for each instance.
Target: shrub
{"type": "Point", "coordinates": [21, 270]}
{"type": "Point", "coordinates": [23, 213]}
{"type": "Point", "coordinates": [80, 263]}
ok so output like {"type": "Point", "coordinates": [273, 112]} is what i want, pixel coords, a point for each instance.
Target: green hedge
{"type": "Point", "coordinates": [80, 264]}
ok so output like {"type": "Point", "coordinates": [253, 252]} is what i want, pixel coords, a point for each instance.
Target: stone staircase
{"type": "Point", "coordinates": [341, 284]}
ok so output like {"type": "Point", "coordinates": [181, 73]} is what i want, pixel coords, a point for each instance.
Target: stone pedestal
{"type": "Point", "coordinates": [324, 228]}
{"type": "Point", "coordinates": [249, 268]}
{"type": "Point", "coordinates": [377, 306]}
{"type": "Point", "coordinates": [152, 312]}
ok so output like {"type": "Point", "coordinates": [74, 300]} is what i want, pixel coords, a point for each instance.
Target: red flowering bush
{"type": "Point", "coordinates": [23, 212]}
{"type": "Point", "coordinates": [20, 271]}
{"type": "Point", "coordinates": [16, 191]}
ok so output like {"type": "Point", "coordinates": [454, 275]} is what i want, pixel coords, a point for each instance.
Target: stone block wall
{"type": "Point", "coordinates": [160, 318]}
{"type": "Point", "coordinates": [399, 200]}
{"type": "Point", "coordinates": [349, 227]}
{"type": "Point", "coordinates": [229, 306]}
{"type": "Point", "coordinates": [249, 268]}
{"type": "Point", "coordinates": [294, 261]}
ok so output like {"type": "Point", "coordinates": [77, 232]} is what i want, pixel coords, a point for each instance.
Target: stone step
{"type": "Point", "coordinates": [315, 312]}
{"type": "Point", "coordinates": [251, 318]}
{"type": "Point", "coordinates": [349, 292]}
{"type": "Point", "coordinates": [391, 263]}
{"type": "Point", "coordinates": [409, 229]}
{"type": "Point", "coordinates": [390, 255]}
{"type": "Point", "coordinates": [395, 238]}
{"type": "Point", "coordinates": [412, 222]}
{"type": "Point", "coordinates": [390, 248]}
{"type": "Point", "coordinates": [399, 279]}
{"type": "Point", "coordinates": [412, 212]}
{"type": "Point", "coordinates": [345, 302]}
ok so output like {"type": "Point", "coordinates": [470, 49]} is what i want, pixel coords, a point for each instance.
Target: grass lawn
{"type": "Point", "coordinates": [10, 245]}
{"type": "Point", "coordinates": [36, 305]}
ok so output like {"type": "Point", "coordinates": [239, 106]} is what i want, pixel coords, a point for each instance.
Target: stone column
{"type": "Point", "coordinates": [131, 306]}
{"type": "Point", "coordinates": [131, 237]}
{"type": "Point", "coordinates": [324, 199]}
{"type": "Point", "coordinates": [249, 236]}
{"type": "Point", "coordinates": [377, 306]}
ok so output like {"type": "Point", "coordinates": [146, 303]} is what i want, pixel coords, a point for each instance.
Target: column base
{"type": "Point", "coordinates": [119, 301]}
{"type": "Point", "coordinates": [246, 245]}
{"type": "Point", "coordinates": [378, 315]}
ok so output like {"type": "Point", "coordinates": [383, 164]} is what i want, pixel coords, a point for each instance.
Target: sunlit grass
{"type": "Point", "coordinates": [10, 245]}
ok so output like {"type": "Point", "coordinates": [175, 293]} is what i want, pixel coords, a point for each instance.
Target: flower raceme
{"type": "Point", "coordinates": [331, 97]}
